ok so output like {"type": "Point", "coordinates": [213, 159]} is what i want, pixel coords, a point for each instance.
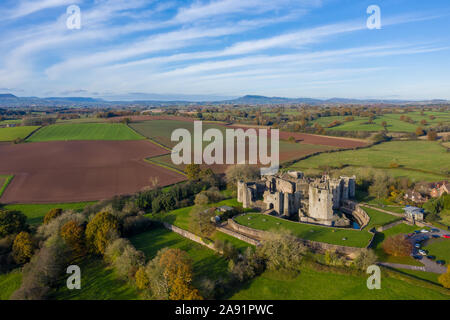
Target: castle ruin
{"type": "Point", "coordinates": [287, 194]}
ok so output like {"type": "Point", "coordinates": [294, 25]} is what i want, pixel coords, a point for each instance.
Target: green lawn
{"type": "Point", "coordinates": [377, 244]}
{"type": "Point", "coordinates": [98, 282]}
{"type": "Point", "coordinates": [14, 121]}
{"type": "Point", "coordinates": [11, 134]}
{"type": "Point", "coordinates": [439, 248]}
{"type": "Point", "coordinates": [428, 276]}
{"type": "Point", "coordinates": [378, 218]}
{"type": "Point", "coordinates": [36, 212]}
{"type": "Point", "coordinates": [206, 263]}
{"type": "Point", "coordinates": [85, 131]}
{"type": "Point", "coordinates": [418, 160]}
{"type": "Point", "coordinates": [9, 283]}
{"type": "Point", "coordinates": [4, 182]}
{"type": "Point", "coordinates": [354, 238]}
{"type": "Point", "coordinates": [312, 285]}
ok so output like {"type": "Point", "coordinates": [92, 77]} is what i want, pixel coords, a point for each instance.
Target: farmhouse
{"type": "Point", "coordinates": [440, 188]}
{"type": "Point", "coordinates": [413, 214]}
{"type": "Point", "coordinates": [288, 194]}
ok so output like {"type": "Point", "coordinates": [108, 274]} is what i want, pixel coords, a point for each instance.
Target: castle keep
{"type": "Point", "coordinates": [287, 194]}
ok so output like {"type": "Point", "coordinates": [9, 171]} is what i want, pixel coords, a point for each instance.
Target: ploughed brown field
{"type": "Point", "coordinates": [71, 171]}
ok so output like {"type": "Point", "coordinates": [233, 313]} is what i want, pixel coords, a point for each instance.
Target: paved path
{"type": "Point", "coordinates": [402, 266]}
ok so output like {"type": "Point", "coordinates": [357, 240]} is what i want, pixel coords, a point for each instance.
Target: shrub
{"type": "Point", "coordinates": [200, 221]}
{"type": "Point", "coordinates": [73, 234]}
{"type": "Point", "coordinates": [142, 281]}
{"type": "Point", "coordinates": [52, 214]}
{"type": "Point", "coordinates": [365, 259]}
{"type": "Point", "coordinates": [444, 279]}
{"type": "Point", "coordinates": [124, 257]}
{"type": "Point", "coordinates": [23, 248]}
{"type": "Point", "coordinates": [102, 229]}
{"type": "Point", "coordinates": [12, 222]}
{"type": "Point", "coordinates": [135, 225]}
{"type": "Point", "coordinates": [398, 245]}
{"type": "Point", "coordinates": [247, 266]}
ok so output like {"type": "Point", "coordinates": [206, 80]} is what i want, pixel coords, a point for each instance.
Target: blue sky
{"type": "Point", "coordinates": [226, 48]}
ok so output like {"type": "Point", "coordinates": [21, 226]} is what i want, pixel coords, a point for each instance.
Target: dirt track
{"type": "Point", "coordinates": [70, 171]}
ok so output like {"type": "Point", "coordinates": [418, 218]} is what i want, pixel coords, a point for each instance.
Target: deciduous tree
{"type": "Point", "coordinates": [23, 248]}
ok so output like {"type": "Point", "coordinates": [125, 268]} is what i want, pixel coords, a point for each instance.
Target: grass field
{"type": "Point", "coordinates": [428, 276]}
{"type": "Point", "coordinates": [377, 245]}
{"type": "Point", "coordinates": [378, 218]}
{"type": "Point", "coordinates": [439, 248]}
{"type": "Point", "coordinates": [11, 134]}
{"type": "Point", "coordinates": [98, 282]}
{"type": "Point", "coordinates": [418, 160]}
{"type": "Point", "coordinates": [36, 212]}
{"type": "Point", "coordinates": [4, 182]}
{"type": "Point", "coordinates": [9, 283]}
{"type": "Point", "coordinates": [206, 263]}
{"type": "Point", "coordinates": [14, 121]}
{"type": "Point", "coordinates": [354, 238]}
{"type": "Point", "coordinates": [85, 131]}
{"type": "Point", "coordinates": [311, 285]}
{"type": "Point", "coordinates": [394, 124]}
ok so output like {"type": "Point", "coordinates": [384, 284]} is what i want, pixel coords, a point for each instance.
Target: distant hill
{"type": "Point", "coordinates": [10, 100]}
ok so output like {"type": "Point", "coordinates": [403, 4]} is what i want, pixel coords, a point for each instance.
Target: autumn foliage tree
{"type": "Point", "coordinates": [444, 279]}
{"type": "Point", "coordinates": [23, 248]}
{"type": "Point", "coordinates": [419, 131]}
{"type": "Point", "coordinates": [398, 245]}
{"type": "Point", "coordinates": [178, 272]}
{"type": "Point", "coordinates": [73, 234]}
{"type": "Point", "coordinates": [103, 228]}
{"type": "Point", "coordinates": [193, 171]}
{"type": "Point", "coordinates": [432, 135]}
{"type": "Point", "coordinates": [52, 214]}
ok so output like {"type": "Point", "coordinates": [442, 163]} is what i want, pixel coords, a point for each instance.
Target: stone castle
{"type": "Point", "coordinates": [316, 200]}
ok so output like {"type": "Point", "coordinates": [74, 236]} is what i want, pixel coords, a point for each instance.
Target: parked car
{"type": "Point", "coordinates": [424, 231]}
{"type": "Point", "coordinates": [423, 252]}
{"type": "Point", "coordinates": [417, 257]}
{"type": "Point", "coordinates": [436, 236]}
{"type": "Point", "coordinates": [434, 230]}
{"type": "Point", "coordinates": [446, 236]}
{"type": "Point", "coordinates": [417, 245]}
{"type": "Point", "coordinates": [441, 262]}
{"type": "Point", "coordinates": [431, 257]}
{"type": "Point", "coordinates": [417, 231]}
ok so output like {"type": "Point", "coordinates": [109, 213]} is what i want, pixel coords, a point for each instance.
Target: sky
{"type": "Point", "coordinates": [200, 49]}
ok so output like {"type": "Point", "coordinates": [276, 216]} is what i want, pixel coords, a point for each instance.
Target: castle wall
{"type": "Point", "coordinates": [320, 204]}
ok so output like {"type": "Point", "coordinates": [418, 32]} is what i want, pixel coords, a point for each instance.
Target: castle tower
{"type": "Point", "coordinates": [320, 203]}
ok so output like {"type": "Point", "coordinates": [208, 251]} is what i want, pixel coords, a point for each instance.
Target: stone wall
{"type": "Point", "coordinates": [188, 235]}
{"type": "Point", "coordinates": [390, 225]}
{"type": "Point", "coordinates": [313, 245]}
{"type": "Point", "coordinates": [239, 236]}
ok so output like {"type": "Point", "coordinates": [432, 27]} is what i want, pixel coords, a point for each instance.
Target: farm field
{"type": "Point", "coordinates": [11, 134]}
{"type": "Point", "coordinates": [311, 284]}
{"type": "Point", "coordinates": [206, 263]}
{"type": "Point", "coordinates": [36, 212]}
{"type": "Point", "coordinates": [15, 121]}
{"type": "Point", "coordinates": [9, 283]}
{"type": "Point", "coordinates": [394, 124]}
{"type": "Point", "coordinates": [4, 182]}
{"type": "Point", "coordinates": [85, 131]}
{"type": "Point", "coordinates": [74, 171]}
{"type": "Point", "coordinates": [418, 160]}
{"type": "Point", "coordinates": [354, 238]}
{"type": "Point", "coordinates": [439, 248]}
{"type": "Point", "coordinates": [99, 282]}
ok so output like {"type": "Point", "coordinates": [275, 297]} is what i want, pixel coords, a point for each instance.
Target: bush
{"type": "Point", "coordinates": [366, 258]}
{"type": "Point", "coordinates": [445, 279]}
{"type": "Point", "coordinates": [73, 234]}
{"type": "Point", "coordinates": [135, 225]}
{"type": "Point", "coordinates": [398, 245]}
{"type": "Point", "coordinates": [12, 222]}
{"type": "Point", "coordinates": [23, 248]}
{"type": "Point", "coordinates": [52, 214]}
{"type": "Point", "coordinates": [200, 221]}
{"type": "Point", "coordinates": [102, 229]}
{"type": "Point", "coordinates": [124, 257]}
{"type": "Point", "coordinates": [247, 266]}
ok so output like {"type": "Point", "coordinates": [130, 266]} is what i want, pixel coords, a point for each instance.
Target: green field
{"type": "Point", "coordinates": [98, 282]}
{"type": "Point", "coordinates": [428, 276]}
{"type": "Point", "coordinates": [354, 238]}
{"type": "Point", "coordinates": [36, 212]}
{"type": "Point", "coordinates": [394, 124]}
{"type": "Point", "coordinates": [9, 283]}
{"type": "Point", "coordinates": [378, 218]}
{"type": "Point", "coordinates": [4, 182]}
{"type": "Point", "coordinates": [14, 121]}
{"type": "Point", "coordinates": [313, 285]}
{"type": "Point", "coordinates": [85, 131]}
{"type": "Point", "coordinates": [418, 160]}
{"type": "Point", "coordinates": [11, 134]}
{"type": "Point", "coordinates": [439, 248]}
{"type": "Point", "coordinates": [206, 263]}
{"type": "Point", "coordinates": [377, 244]}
